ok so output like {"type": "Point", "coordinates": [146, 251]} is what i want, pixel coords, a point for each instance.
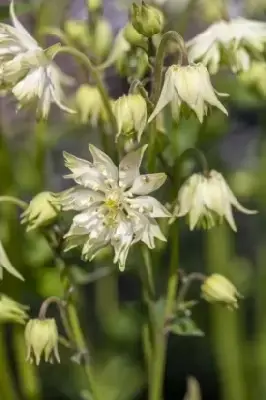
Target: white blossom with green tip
{"type": "Point", "coordinates": [189, 85]}
{"type": "Point", "coordinates": [207, 200]}
{"type": "Point", "coordinates": [114, 204]}
{"type": "Point", "coordinates": [27, 70]}
{"type": "Point", "coordinates": [232, 43]}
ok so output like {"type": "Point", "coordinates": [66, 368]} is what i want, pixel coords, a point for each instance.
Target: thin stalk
{"type": "Point", "coordinates": [27, 373]}
{"type": "Point", "coordinates": [227, 339]}
{"type": "Point", "coordinates": [160, 350]}
{"type": "Point", "coordinates": [40, 150]}
{"type": "Point", "coordinates": [14, 200]}
{"type": "Point", "coordinates": [157, 85]}
{"type": "Point", "coordinates": [6, 382]}
{"type": "Point", "coordinates": [98, 80]}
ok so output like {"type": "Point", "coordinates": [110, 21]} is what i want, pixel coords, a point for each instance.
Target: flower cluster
{"type": "Point", "coordinates": [114, 204]}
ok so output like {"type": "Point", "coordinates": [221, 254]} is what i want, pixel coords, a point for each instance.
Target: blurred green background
{"type": "Point", "coordinates": [229, 362]}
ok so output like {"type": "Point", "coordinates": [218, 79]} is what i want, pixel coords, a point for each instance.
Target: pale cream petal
{"type": "Point", "coordinates": [129, 166]}
{"type": "Point", "coordinates": [166, 95]}
{"type": "Point", "coordinates": [24, 35]}
{"type": "Point", "coordinates": [79, 198]}
{"type": "Point", "coordinates": [103, 163]}
{"type": "Point", "coordinates": [145, 184]}
{"type": "Point", "coordinates": [149, 206]}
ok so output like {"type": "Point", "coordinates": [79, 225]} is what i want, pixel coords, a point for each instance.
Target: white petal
{"type": "Point", "coordinates": [145, 184]}
{"type": "Point", "coordinates": [104, 163]}
{"type": "Point", "coordinates": [129, 166]}
{"type": "Point", "coordinates": [84, 173]}
{"type": "Point", "coordinates": [121, 242]}
{"type": "Point", "coordinates": [151, 232]}
{"type": "Point", "coordinates": [166, 95]}
{"type": "Point", "coordinates": [150, 206]}
{"type": "Point", "coordinates": [80, 199]}
{"type": "Point", "coordinates": [24, 35]}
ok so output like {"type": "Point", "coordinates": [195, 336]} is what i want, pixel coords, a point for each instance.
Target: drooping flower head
{"type": "Point", "coordinates": [187, 85]}
{"type": "Point", "coordinates": [207, 200]}
{"type": "Point", "coordinates": [113, 203]}
{"type": "Point", "coordinates": [233, 43]}
{"type": "Point", "coordinates": [27, 70]}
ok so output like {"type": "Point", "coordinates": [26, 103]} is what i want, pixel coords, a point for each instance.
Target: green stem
{"type": "Point", "coordinates": [6, 382]}
{"type": "Point", "coordinates": [97, 77]}
{"type": "Point", "coordinates": [160, 350]}
{"type": "Point", "coordinates": [198, 155]}
{"type": "Point", "coordinates": [40, 150]}
{"type": "Point", "coordinates": [157, 85]}
{"type": "Point", "coordinates": [27, 373]}
{"type": "Point", "coordinates": [14, 200]}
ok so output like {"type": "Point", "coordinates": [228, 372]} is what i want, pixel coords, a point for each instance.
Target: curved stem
{"type": "Point", "coordinates": [159, 61]}
{"type": "Point", "coordinates": [14, 200]}
{"type": "Point", "coordinates": [195, 276]}
{"type": "Point", "coordinates": [53, 31]}
{"type": "Point", "coordinates": [160, 351]}
{"type": "Point", "coordinates": [94, 72]}
{"type": "Point", "coordinates": [199, 155]}
{"type": "Point", "coordinates": [157, 84]}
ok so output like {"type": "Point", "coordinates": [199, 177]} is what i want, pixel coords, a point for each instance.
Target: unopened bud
{"type": "Point", "coordinates": [133, 64]}
{"type": "Point", "coordinates": [147, 19]}
{"type": "Point", "coordinates": [94, 5]}
{"type": "Point", "coordinates": [89, 105]}
{"type": "Point", "coordinates": [218, 289]}
{"type": "Point", "coordinates": [41, 338]}
{"type": "Point", "coordinates": [131, 115]}
{"type": "Point", "coordinates": [78, 32]}
{"type": "Point", "coordinates": [101, 39]}
{"type": "Point", "coordinates": [42, 211]}
{"type": "Point", "coordinates": [12, 311]}
{"type": "Point", "coordinates": [134, 37]}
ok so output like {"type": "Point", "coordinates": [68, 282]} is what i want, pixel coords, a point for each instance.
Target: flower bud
{"type": "Point", "coordinates": [41, 337]}
{"type": "Point", "coordinates": [134, 37]}
{"type": "Point", "coordinates": [101, 39]}
{"type": "Point", "coordinates": [78, 32]}
{"type": "Point", "coordinates": [254, 77]}
{"type": "Point", "coordinates": [133, 64]}
{"type": "Point", "coordinates": [131, 115]}
{"type": "Point", "coordinates": [94, 5]}
{"type": "Point", "coordinates": [89, 105]}
{"type": "Point", "coordinates": [11, 311]}
{"type": "Point", "coordinates": [146, 19]}
{"type": "Point", "coordinates": [42, 211]}
{"type": "Point", "coordinates": [217, 289]}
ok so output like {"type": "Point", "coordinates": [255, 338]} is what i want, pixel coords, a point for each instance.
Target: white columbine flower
{"type": "Point", "coordinates": [233, 43]}
{"type": "Point", "coordinates": [28, 70]}
{"type": "Point", "coordinates": [113, 203]}
{"type": "Point", "coordinates": [207, 200]}
{"type": "Point", "coordinates": [189, 85]}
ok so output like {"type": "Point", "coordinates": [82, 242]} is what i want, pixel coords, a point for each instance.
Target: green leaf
{"type": "Point", "coordinates": [6, 264]}
{"type": "Point", "coordinates": [185, 326]}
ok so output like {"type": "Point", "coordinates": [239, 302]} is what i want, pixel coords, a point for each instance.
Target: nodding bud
{"type": "Point", "coordinates": [218, 289]}
{"type": "Point", "coordinates": [134, 37]}
{"type": "Point", "coordinates": [41, 337]}
{"type": "Point", "coordinates": [43, 210]}
{"type": "Point", "coordinates": [78, 32]}
{"type": "Point", "coordinates": [147, 19]}
{"type": "Point", "coordinates": [94, 5]}
{"type": "Point", "coordinates": [131, 115]}
{"type": "Point", "coordinates": [12, 311]}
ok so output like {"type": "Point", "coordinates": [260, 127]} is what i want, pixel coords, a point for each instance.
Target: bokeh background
{"type": "Point", "coordinates": [229, 361]}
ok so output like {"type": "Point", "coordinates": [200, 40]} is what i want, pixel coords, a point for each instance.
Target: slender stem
{"type": "Point", "coordinates": [97, 77]}
{"type": "Point", "coordinates": [40, 150]}
{"type": "Point", "coordinates": [157, 84]}
{"type": "Point", "coordinates": [8, 391]}
{"type": "Point", "coordinates": [159, 358]}
{"type": "Point", "coordinates": [198, 155]}
{"type": "Point", "coordinates": [14, 200]}
{"type": "Point", "coordinates": [187, 281]}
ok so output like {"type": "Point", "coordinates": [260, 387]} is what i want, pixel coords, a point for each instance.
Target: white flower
{"type": "Point", "coordinates": [28, 70]}
{"type": "Point", "coordinates": [113, 203]}
{"type": "Point", "coordinates": [207, 200]}
{"type": "Point", "coordinates": [189, 85]}
{"type": "Point", "coordinates": [233, 43]}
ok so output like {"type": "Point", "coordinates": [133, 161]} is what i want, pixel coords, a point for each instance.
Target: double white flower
{"type": "Point", "coordinates": [113, 203]}
{"type": "Point", "coordinates": [27, 69]}
{"type": "Point", "coordinates": [233, 43]}
{"type": "Point", "coordinates": [207, 200]}
{"type": "Point", "coordinates": [187, 85]}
